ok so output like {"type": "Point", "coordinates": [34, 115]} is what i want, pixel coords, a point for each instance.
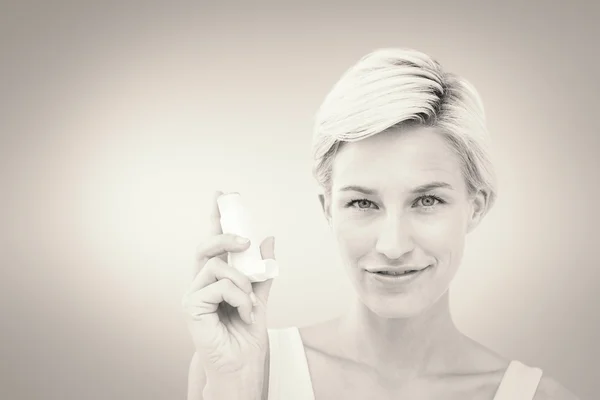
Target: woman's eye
{"type": "Point", "coordinates": [429, 201]}
{"type": "Point", "coordinates": [362, 204]}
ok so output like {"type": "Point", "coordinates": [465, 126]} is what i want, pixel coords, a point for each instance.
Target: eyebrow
{"type": "Point", "coordinates": [419, 189]}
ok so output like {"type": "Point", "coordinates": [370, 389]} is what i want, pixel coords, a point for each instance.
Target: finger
{"type": "Point", "coordinates": [204, 303]}
{"type": "Point", "coordinates": [217, 246]}
{"type": "Point", "coordinates": [217, 269]}
{"type": "Point", "coordinates": [267, 248]}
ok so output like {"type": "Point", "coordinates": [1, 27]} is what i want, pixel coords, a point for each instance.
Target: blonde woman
{"type": "Point", "coordinates": [402, 156]}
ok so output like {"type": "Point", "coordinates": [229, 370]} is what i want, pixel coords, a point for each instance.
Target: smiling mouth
{"type": "Point", "coordinates": [399, 273]}
{"type": "Point", "coordinates": [392, 273]}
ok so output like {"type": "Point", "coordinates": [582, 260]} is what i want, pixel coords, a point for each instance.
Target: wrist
{"type": "Point", "coordinates": [238, 387]}
{"type": "Point", "coordinates": [248, 384]}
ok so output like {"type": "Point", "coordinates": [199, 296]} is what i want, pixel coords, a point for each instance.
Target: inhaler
{"type": "Point", "coordinates": [236, 220]}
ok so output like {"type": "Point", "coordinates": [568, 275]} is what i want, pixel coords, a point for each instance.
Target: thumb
{"type": "Point", "coordinates": [267, 251]}
{"type": "Point", "coordinates": [267, 248]}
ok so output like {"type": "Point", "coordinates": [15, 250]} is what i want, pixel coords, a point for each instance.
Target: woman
{"type": "Point", "coordinates": [402, 155]}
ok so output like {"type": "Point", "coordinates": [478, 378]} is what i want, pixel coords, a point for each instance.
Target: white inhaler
{"type": "Point", "coordinates": [235, 220]}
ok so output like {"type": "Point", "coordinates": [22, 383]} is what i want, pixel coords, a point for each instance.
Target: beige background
{"type": "Point", "coordinates": [119, 120]}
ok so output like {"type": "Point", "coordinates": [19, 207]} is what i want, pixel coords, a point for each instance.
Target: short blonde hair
{"type": "Point", "coordinates": [394, 87]}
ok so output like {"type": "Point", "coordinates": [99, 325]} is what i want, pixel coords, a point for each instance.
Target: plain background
{"type": "Point", "coordinates": [120, 119]}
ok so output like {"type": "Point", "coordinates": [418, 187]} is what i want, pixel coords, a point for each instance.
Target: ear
{"type": "Point", "coordinates": [326, 206]}
{"type": "Point", "coordinates": [479, 203]}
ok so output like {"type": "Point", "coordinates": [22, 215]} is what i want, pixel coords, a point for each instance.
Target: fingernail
{"type": "Point", "coordinates": [253, 298]}
{"type": "Point", "coordinates": [273, 239]}
{"type": "Point", "coordinates": [252, 317]}
{"type": "Point", "coordinates": [241, 240]}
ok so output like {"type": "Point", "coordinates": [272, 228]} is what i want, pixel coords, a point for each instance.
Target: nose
{"type": "Point", "coordinates": [395, 239]}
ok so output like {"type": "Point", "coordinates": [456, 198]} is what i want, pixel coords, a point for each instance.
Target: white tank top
{"type": "Point", "coordinates": [289, 377]}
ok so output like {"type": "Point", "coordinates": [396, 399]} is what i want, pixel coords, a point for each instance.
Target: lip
{"type": "Point", "coordinates": [398, 279]}
{"type": "Point", "coordinates": [396, 270]}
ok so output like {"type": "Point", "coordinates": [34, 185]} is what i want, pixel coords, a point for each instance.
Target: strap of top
{"type": "Point", "coordinates": [289, 377]}
{"type": "Point", "coordinates": [519, 382]}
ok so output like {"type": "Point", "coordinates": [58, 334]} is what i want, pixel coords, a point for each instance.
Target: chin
{"type": "Point", "coordinates": [395, 308]}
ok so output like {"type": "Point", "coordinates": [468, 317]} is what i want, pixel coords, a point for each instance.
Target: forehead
{"type": "Point", "coordinates": [402, 158]}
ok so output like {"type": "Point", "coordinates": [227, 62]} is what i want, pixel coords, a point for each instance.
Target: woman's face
{"type": "Point", "coordinates": [399, 201]}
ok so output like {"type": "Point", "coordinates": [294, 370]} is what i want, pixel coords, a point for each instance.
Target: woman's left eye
{"type": "Point", "coordinates": [429, 200]}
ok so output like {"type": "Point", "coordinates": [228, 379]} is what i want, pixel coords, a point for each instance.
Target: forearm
{"type": "Point", "coordinates": [245, 385]}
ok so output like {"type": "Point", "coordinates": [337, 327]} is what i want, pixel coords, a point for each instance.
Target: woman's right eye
{"type": "Point", "coordinates": [362, 204]}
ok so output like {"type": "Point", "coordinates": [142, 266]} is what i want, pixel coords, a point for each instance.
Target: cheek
{"type": "Point", "coordinates": [442, 234]}
{"type": "Point", "coordinates": [354, 237]}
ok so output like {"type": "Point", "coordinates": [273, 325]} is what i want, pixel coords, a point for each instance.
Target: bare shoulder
{"type": "Point", "coordinates": [550, 389]}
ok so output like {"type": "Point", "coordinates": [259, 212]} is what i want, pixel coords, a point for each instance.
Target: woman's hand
{"type": "Point", "coordinates": [226, 312]}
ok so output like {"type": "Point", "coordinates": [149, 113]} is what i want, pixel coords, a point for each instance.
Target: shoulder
{"type": "Point", "coordinates": [550, 389]}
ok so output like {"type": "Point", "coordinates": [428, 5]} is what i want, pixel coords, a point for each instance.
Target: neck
{"type": "Point", "coordinates": [395, 347]}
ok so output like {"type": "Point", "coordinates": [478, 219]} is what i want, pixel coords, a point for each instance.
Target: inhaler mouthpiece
{"type": "Point", "coordinates": [235, 220]}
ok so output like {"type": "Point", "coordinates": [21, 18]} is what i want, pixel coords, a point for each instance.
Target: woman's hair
{"type": "Point", "coordinates": [392, 88]}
